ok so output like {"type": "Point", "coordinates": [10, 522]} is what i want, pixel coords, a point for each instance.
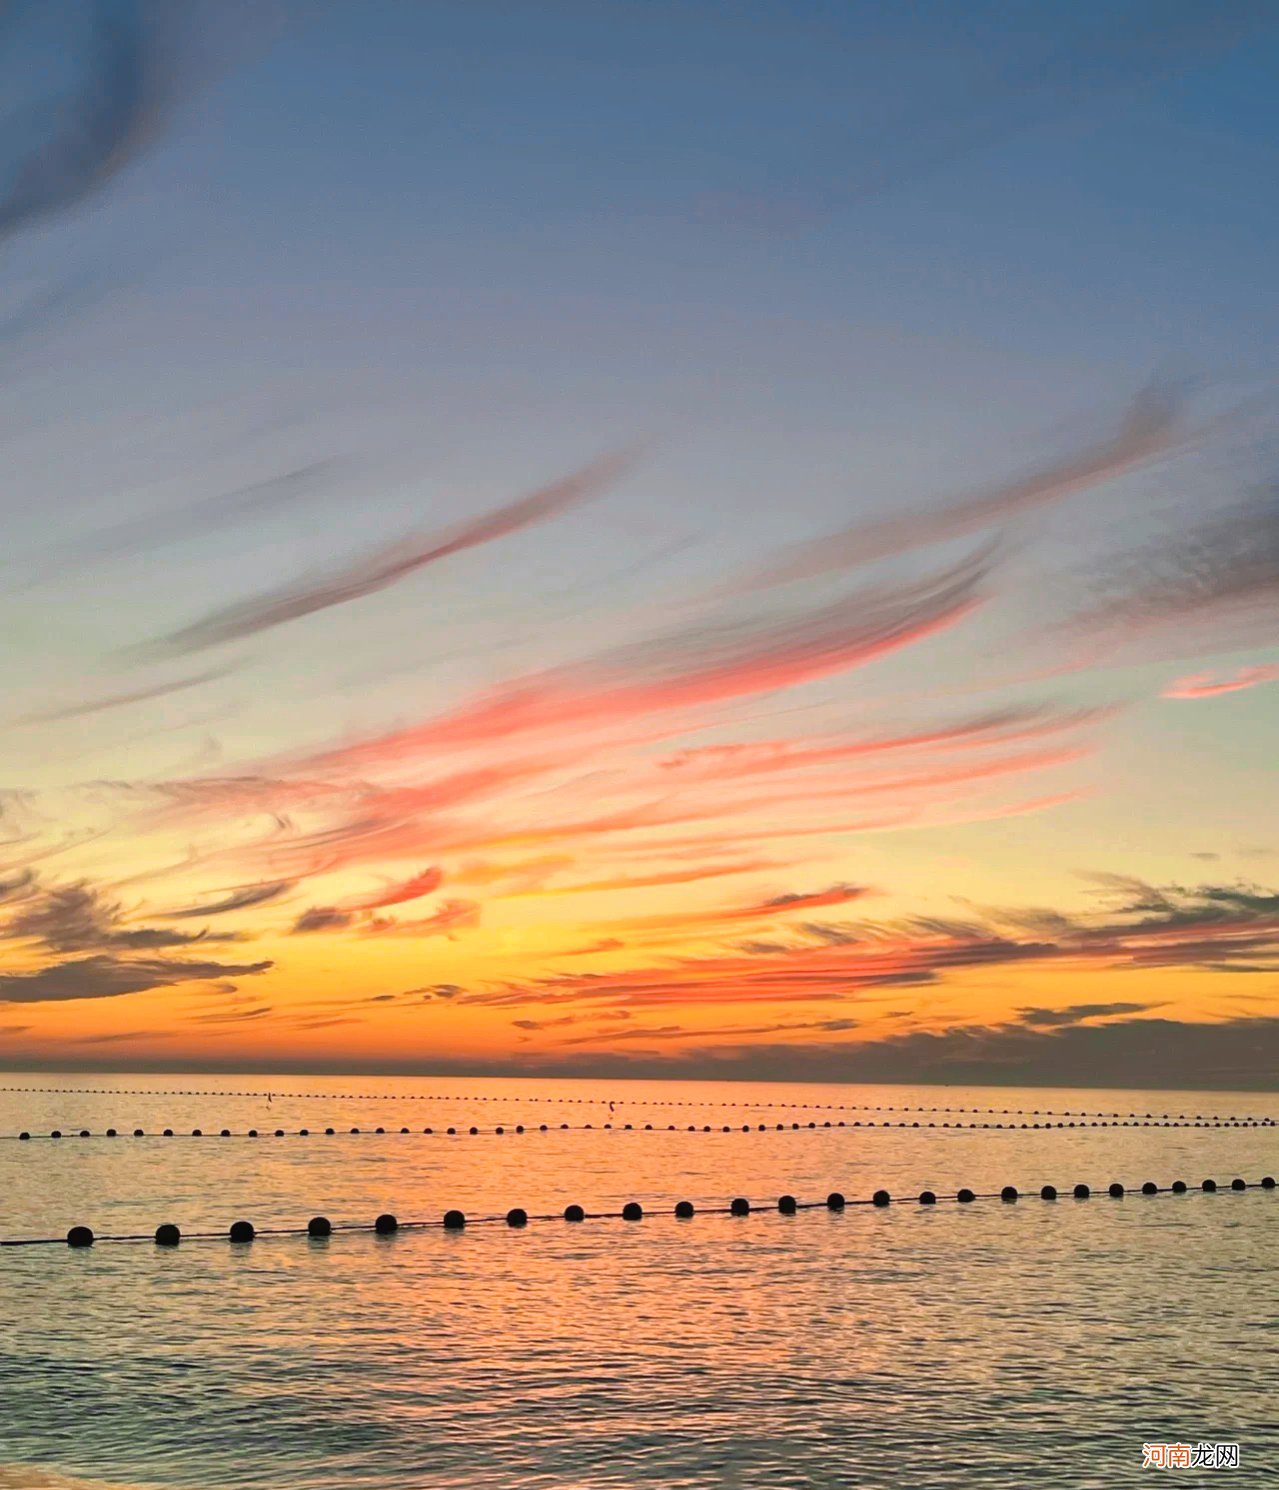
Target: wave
{"type": "Point", "coordinates": [32, 1477]}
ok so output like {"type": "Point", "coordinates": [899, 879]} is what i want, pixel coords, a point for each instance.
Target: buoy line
{"type": "Point", "coordinates": [320, 1227]}
{"type": "Point", "coordinates": [58, 1134]}
{"type": "Point", "coordinates": [1259, 1120]}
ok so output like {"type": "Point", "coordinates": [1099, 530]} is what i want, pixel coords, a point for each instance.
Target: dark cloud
{"type": "Point", "coordinates": [387, 567]}
{"type": "Point", "coordinates": [75, 147]}
{"type": "Point", "coordinates": [1223, 572]}
{"type": "Point", "coordinates": [238, 900]}
{"type": "Point", "coordinates": [1077, 1013]}
{"type": "Point", "coordinates": [103, 976]}
{"type": "Point", "coordinates": [76, 918]}
{"type": "Point", "coordinates": [322, 918]}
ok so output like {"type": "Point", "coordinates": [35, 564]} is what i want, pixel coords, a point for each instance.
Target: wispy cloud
{"type": "Point", "coordinates": [239, 900]}
{"type": "Point", "coordinates": [1149, 429]}
{"type": "Point", "coordinates": [1205, 685]}
{"type": "Point", "coordinates": [387, 567]}
{"type": "Point", "coordinates": [123, 98]}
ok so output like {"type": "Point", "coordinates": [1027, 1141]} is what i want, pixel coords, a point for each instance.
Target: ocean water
{"type": "Point", "coordinates": [1036, 1342]}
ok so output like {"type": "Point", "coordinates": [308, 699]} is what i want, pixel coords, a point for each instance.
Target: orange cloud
{"type": "Point", "coordinates": [1204, 685]}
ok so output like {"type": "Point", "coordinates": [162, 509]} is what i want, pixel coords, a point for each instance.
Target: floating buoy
{"type": "Point", "coordinates": [1082, 1192]}
{"type": "Point", "coordinates": [1116, 1190]}
{"type": "Point", "coordinates": [632, 1211]}
{"type": "Point", "coordinates": [1049, 1192]}
{"type": "Point", "coordinates": [1209, 1186]}
{"type": "Point", "coordinates": [1238, 1185]}
{"type": "Point", "coordinates": [80, 1236]}
{"type": "Point", "coordinates": [454, 1220]}
{"type": "Point", "coordinates": [319, 1226]}
{"type": "Point", "coordinates": [684, 1210]}
{"type": "Point", "coordinates": [1178, 1187]}
{"type": "Point", "coordinates": [787, 1205]}
{"type": "Point", "coordinates": [242, 1231]}
{"type": "Point", "coordinates": [1009, 1192]}
{"type": "Point", "coordinates": [516, 1217]}
{"type": "Point", "coordinates": [167, 1235]}
{"type": "Point", "coordinates": [739, 1206]}
{"type": "Point", "coordinates": [926, 1197]}
{"type": "Point", "coordinates": [881, 1197]}
{"type": "Point", "coordinates": [1150, 1188]}
{"type": "Point", "coordinates": [965, 1197]}
{"type": "Point", "coordinates": [835, 1201]}
{"type": "Point", "coordinates": [386, 1224]}
{"type": "Point", "coordinates": [574, 1213]}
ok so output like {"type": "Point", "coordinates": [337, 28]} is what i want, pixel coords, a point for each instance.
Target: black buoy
{"type": "Point", "coordinates": [1268, 1182]}
{"type": "Point", "coordinates": [1178, 1187]}
{"type": "Point", "coordinates": [965, 1197]}
{"type": "Point", "coordinates": [926, 1197]}
{"type": "Point", "coordinates": [740, 1206]}
{"type": "Point", "coordinates": [835, 1201]}
{"type": "Point", "coordinates": [80, 1236]}
{"type": "Point", "coordinates": [474, 1132]}
{"type": "Point", "coordinates": [111, 1133]}
{"type": "Point", "coordinates": [454, 1220]}
{"type": "Point", "coordinates": [1208, 1186]}
{"type": "Point", "coordinates": [786, 1205]}
{"type": "Point", "coordinates": [168, 1132]}
{"type": "Point", "coordinates": [1009, 1192]}
{"type": "Point", "coordinates": [1116, 1190]}
{"type": "Point", "coordinates": [167, 1235]}
{"type": "Point", "coordinates": [319, 1226]}
{"type": "Point", "coordinates": [386, 1224]}
{"type": "Point", "coordinates": [1082, 1192]}
{"type": "Point", "coordinates": [197, 1133]}
{"type": "Point", "coordinates": [138, 1133]}
{"type": "Point", "coordinates": [253, 1132]}
{"type": "Point", "coordinates": [1048, 1192]}
{"type": "Point", "coordinates": [1238, 1185]}
{"type": "Point", "coordinates": [632, 1211]}
{"type": "Point", "coordinates": [242, 1231]}
{"type": "Point", "coordinates": [516, 1217]}
{"type": "Point", "coordinates": [1150, 1188]}
{"type": "Point", "coordinates": [881, 1197]}
{"type": "Point", "coordinates": [497, 1130]}
{"type": "Point", "coordinates": [574, 1213]}
{"type": "Point", "coordinates": [57, 1133]}
{"type": "Point", "coordinates": [684, 1210]}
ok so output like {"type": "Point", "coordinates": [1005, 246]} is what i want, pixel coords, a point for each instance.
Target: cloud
{"type": "Point", "coordinates": [120, 700]}
{"type": "Point", "coordinates": [1208, 927]}
{"type": "Point", "coordinates": [452, 916]}
{"type": "Point", "coordinates": [1077, 1013]}
{"type": "Point", "coordinates": [1204, 685]}
{"type": "Point", "coordinates": [1149, 429]}
{"type": "Point", "coordinates": [239, 900]}
{"type": "Point", "coordinates": [75, 918]}
{"type": "Point", "coordinates": [110, 977]}
{"type": "Point", "coordinates": [322, 918]}
{"type": "Point", "coordinates": [387, 567]}
{"type": "Point", "coordinates": [78, 147]}
{"type": "Point", "coordinates": [694, 667]}
{"type": "Point", "coordinates": [1221, 573]}
{"type": "Point", "coordinates": [425, 883]}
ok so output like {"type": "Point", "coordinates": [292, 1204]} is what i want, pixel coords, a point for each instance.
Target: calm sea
{"type": "Point", "coordinates": [1036, 1342]}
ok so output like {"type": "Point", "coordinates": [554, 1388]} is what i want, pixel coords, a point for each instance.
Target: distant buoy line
{"type": "Point", "coordinates": [1203, 1117]}
{"type": "Point", "coordinates": [320, 1227]}
{"type": "Point", "coordinates": [58, 1134]}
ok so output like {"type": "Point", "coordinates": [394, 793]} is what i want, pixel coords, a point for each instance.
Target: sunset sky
{"type": "Point", "coordinates": [659, 538]}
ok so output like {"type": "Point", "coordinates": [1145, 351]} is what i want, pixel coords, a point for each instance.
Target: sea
{"type": "Point", "coordinates": [1020, 1341]}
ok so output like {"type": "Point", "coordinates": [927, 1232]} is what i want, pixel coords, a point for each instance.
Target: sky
{"type": "Point", "coordinates": [641, 538]}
